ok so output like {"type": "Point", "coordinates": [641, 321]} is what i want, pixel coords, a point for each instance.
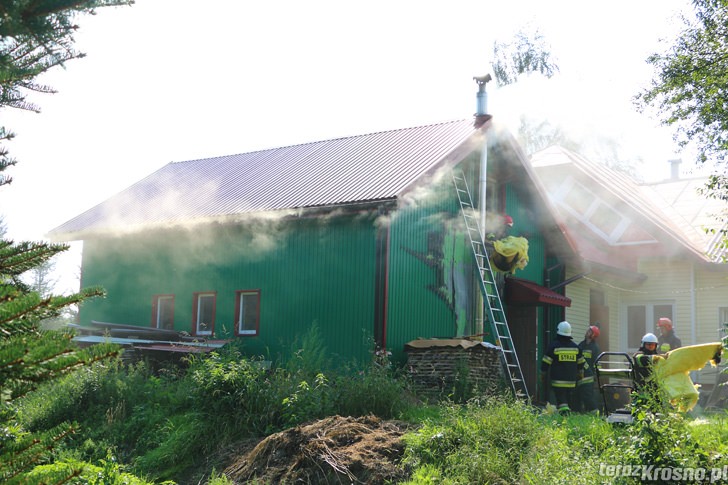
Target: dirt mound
{"type": "Point", "coordinates": [333, 450]}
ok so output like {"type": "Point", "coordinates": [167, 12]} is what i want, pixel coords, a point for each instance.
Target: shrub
{"type": "Point", "coordinates": [375, 389]}
{"type": "Point", "coordinates": [310, 355]}
{"type": "Point", "coordinates": [108, 473]}
{"type": "Point", "coordinates": [60, 400]}
{"type": "Point", "coordinates": [308, 402]}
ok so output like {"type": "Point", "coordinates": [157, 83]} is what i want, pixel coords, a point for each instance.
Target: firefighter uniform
{"type": "Point", "coordinates": [585, 387]}
{"type": "Point", "coordinates": [667, 340]}
{"type": "Point", "coordinates": [563, 363]}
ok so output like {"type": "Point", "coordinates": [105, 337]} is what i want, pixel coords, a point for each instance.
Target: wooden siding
{"type": "Point", "coordinates": [711, 294]}
{"type": "Point", "coordinates": [307, 270]}
{"type": "Point", "coordinates": [578, 313]}
{"type": "Point", "coordinates": [668, 282]}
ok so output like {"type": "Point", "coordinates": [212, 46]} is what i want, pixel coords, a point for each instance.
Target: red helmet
{"type": "Point", "coordinates": [595, 331]}
{"type": "Point", "coordinates": [507, 220]}
{"type": "Point", "coordinates": [666, 323]}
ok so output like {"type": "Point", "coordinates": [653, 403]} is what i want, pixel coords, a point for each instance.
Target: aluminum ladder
{"type": "Point", "coordinates": [492, 304]}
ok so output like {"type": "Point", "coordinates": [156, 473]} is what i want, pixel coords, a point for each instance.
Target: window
{"type": "Point", "coordinates": [723, 321]}
{"type": "Point", "coordinates": [163, 311]}
{"type": "Point", "coordinates": [247, 312]}
{"type": "Point", "coordinates": [641, 319]}
{"type": "Point", "coordinates": [203, 313]}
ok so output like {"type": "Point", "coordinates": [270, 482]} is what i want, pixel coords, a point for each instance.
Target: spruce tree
{"type": "Point", "coordinates": [35, 36]}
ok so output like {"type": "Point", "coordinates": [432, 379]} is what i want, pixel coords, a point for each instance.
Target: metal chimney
{"type": "Point", "coordinates": [482, 96]}
{"type": "Point", "coordinates": [675, 168]}
{"type": "Point", "coordinates": [481, 109]}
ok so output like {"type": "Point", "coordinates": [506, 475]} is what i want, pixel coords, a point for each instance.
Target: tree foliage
{"type": "Point", "coordinates": [35, 36]}
{"type": "Point", "coordinates": [690, 88]}
{"type": "Point", "coordinates": [528, 52]}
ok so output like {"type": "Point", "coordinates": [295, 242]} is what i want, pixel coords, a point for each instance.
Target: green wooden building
{"type": "Point", "coordinates": [362, 236]}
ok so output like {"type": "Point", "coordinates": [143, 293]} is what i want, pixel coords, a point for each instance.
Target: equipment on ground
{"type": "Point", "coordinates": [614, 372]}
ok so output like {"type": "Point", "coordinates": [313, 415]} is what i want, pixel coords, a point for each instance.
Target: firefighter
{"type": "Point", "coordinates": [667, 340]}
{"type": "Point", "coordinates": [503, 231]}
{"type": "Point", "coordinates": [585, 400]}
{"type": "Point", "coordinates": [644, 358]}
{"type": "Point", "coordinates": [507, 253]}
{"type": "Point", "coordinates": [646, 390]}
{"type": "Point", "coordinates": [563, 365]}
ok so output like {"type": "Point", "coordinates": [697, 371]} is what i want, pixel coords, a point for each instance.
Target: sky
{"type": "Point", "coordinates": [175, 80]}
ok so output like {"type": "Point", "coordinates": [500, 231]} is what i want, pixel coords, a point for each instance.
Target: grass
{"type": "Point", "coordinates": [170, 424]}
{"type": "Point", "coordinates": [499, 441]}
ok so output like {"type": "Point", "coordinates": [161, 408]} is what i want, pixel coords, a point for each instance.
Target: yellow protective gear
{"type": "Point", "coordinates": [511, 253]}
{"type": "Point", "coordinates": [673, 371]}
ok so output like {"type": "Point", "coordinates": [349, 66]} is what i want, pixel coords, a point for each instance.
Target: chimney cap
{"type": "Point", "coordinates": [481, 80]}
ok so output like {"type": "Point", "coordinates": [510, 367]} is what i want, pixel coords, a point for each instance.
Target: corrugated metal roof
{"type": "Point", "coordinates": [675, 207]}
{"type": "Point", "coordinates": [356, 169]}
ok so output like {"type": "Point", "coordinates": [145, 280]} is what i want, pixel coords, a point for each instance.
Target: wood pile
{"type": "Point", "coordinates": [438, 367]}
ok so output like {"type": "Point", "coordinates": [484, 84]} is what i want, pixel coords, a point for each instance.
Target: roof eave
{"type": "Point", "coordinates": [378, 205]}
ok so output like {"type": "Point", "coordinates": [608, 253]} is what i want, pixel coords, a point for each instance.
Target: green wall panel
{"type": "Point", "coordinates": [307, 270]}
{"type": "Point", "coordinates": [427, 250]}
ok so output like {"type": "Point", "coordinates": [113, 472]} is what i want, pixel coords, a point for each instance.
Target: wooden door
{"type": "Point", "coordinates": [599, 312]}
{"type": "Point", "coordinates": [523, 324]}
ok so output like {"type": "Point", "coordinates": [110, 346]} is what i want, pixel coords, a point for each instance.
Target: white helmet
{"type": "Point", "coordinates": [649, 338]}
{"type": "Point", "coordinates": [564, 329]}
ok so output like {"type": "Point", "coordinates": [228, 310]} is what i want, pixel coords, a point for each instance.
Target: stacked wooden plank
{"type": "Point", "coordinates": [444, 367]}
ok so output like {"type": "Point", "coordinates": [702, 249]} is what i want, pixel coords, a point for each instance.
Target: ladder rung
{"type": "Point", "coordinates": [489, 287]}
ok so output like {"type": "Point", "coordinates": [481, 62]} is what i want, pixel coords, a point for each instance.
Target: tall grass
{"type": "Point", "coordinates": [161, 423]}
{"type": "Point", "coordinates": [170, 424]}
{"type": "Point", "coordinates": [480, 442]}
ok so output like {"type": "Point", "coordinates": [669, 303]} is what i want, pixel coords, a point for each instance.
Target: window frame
{"type": "Point", "coordinates": [196, 298]}
{"type": "Point", "coordinates": [239, 313]}
{"type": "Point", "coordinates": [651, 315]}
{"type": "Point", "coordinates": [156, 309]}
{"type": "Point", "coordinates": [722, 321]}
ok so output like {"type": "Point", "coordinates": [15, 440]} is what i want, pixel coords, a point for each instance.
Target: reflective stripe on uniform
{"type": "Point", "coordinates": [548, 360]}
{"type": "Point", "coordinates": [586, 380]}
{"type": "Point", "coordinates": [567, 354]}
{"type": "Point", "coordinates": [563, 384]}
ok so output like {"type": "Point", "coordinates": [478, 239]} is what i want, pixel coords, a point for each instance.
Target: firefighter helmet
{"type": "Point", "coordinates": [595, 331]}
{"type": "Point", "coordinates": [507, 220]}
{"type": "Point", "coordinates": [564, 329]}
{"type": "Point", "coordinates": [665, 323]}
{"type": "Point", "coordinates": [649, 338]}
